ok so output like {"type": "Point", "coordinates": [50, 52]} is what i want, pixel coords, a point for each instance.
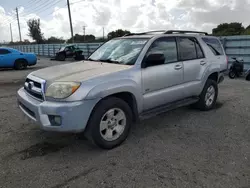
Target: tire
{"type": "Point", "coordinates": [100, 113]}
{"type": "Point", "coordinates": [232, 74]}
{"type": "Point", "coordinates": [203, 104]}
{"type": "Point", "coordinates": [61, 57]}
{"type": "Point", "coordinates": [20, 64]}
{"type": "Point", "coordinates": [248, 77]}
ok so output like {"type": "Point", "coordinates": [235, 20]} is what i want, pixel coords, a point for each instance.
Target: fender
{"type": "Point", "coordinates": [117, 86]}
{"type": "Point", "coordinates": [212, 68]}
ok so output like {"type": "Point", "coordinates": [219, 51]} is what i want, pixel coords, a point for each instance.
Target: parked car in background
{"type": "Point", "coordinates": [69, 51]}
{"type": "Point", "coordinates": [12, 58]}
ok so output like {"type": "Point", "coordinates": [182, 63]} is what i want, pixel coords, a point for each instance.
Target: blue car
{"type": "Point", "coordinates": [12, 58]}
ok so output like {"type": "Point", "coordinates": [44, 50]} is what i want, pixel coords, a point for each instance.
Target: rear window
{"type": "Point", "coordinates": [214, 45]}
{"type": "Point", "coordinates": [4, 51]}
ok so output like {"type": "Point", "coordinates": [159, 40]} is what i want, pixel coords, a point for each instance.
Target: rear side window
{"type": "Point", "coordinates": [214, 45]}
{"type": "Point", "coordinates": [3, 51]}
{"type": "Point", "coordinates": [189, 49]}
{"type": "Point", "coordinates": [199, 51]}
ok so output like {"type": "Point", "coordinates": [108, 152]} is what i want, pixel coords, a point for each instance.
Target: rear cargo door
{"type": "Point", "coordinates": [216, 47]}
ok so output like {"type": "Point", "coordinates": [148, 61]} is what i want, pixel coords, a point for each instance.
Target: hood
{"type": "Point", "coordinates": [78, 71]}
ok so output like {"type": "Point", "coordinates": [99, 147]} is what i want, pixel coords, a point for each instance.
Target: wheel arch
{"type": "Point", "coordinates": [21, 59]}
{"type": "Point", "coordinates": [126, 96]}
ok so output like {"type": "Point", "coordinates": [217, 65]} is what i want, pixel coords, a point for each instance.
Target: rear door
{"type": "Point", "coordinates": [216, 47]}
{"type": "Point", "coordinates": [194, 63]}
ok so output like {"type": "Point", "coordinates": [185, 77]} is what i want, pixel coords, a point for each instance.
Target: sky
{"type": "Point", "coordinates": [133, 15]}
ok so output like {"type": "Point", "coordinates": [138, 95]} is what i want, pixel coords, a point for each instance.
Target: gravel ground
{"type": "Point", "coordinates": [181, 148]}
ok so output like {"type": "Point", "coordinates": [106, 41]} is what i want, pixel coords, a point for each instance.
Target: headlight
{"type": "Point", "coordinates": [61, 90]}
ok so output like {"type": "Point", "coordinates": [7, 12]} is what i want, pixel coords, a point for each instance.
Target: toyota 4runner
{"type": "Point", "coordinates": [126, 79]}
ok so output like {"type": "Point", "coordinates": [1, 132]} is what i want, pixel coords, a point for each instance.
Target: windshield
{"type": "Point", "coordinates": [61, 49]}
{"type": "Point", "coordinates": [121, 51]}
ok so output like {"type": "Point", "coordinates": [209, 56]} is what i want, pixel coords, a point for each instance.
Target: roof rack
{"type": "Point", "coordinates": [167, 32]}
{"type": "Point", "coordinates": [183, 32]}
{"type": "Point", "coordinates": [144, 33]}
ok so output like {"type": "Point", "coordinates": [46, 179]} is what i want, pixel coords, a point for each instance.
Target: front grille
{"type": "Point", "coordinates": [36, 95]}
{"type": "Point", "coordinates": [37, 84]}
{"type": "Point", "coordinates": [34, 87]}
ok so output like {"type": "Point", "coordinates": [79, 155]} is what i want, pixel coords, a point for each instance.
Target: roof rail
{"type": "Point", "coordinates": [144, 33]}
{"type": "Point", "coordinates": [166, 32]}
{"type": "Point", "coordinates": [183, 31]}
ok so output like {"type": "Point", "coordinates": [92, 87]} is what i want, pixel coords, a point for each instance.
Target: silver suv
{"type": "Point", "coordinates": [128, 78]}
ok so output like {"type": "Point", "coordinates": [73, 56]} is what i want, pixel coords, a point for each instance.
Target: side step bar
{"type": "Point", "coordinates": [167, 107]}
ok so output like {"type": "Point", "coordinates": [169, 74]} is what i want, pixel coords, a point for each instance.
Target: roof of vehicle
{"type": "Point", "coordinates": [8, 48]}
{"type": "Point", "coordinates": [150, 34]}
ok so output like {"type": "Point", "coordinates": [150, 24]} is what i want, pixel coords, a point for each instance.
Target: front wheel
{"type": "Point", "coordinates": [232, 74]}
{"type": "Point", "coordinates": [61, 57]}
{"type": "Point", "coordinates": [110, 123]}
{"type": "Point", "coordinates": [208, 96]}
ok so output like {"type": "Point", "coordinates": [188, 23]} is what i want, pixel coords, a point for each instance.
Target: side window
{"type": "Point", "coordinates": [214, 45]}
{"type": "Point", "coordinates": [187, 48]}
{"type": "Point", "coordinates": [166, 46]}
{"type": "Point", "coordinates": [199, 51]}
{"type": "Point", "coordinates": [3, 51]}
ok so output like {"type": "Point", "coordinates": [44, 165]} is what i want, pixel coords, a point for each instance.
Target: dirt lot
{"type": "Point", "coordinates": [181, 148]}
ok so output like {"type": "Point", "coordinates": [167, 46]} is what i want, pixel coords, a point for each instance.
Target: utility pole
{"type": "Point", "coordinates": [84, 29]}
{"type": "Point", "coordinates": [70, 22]}
{"type": "Point", "coordinates": [20, 36]}
{"type": "Point", "coordinates": [11, 36]}
{"type": "Point", "coordinates": [103, 33]}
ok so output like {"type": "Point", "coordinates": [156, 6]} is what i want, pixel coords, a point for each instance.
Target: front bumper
{"type": "Point", "coordinates": [74, 115]}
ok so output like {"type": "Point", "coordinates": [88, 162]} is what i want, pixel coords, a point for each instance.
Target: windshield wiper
{"type": "Point", "coordinates": [89, 59]}
{"type": "Point", "coordinates": [109, 61]}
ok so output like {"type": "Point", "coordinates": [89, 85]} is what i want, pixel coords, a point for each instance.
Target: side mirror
{"type": "Point", "coordinates": [154, 59]}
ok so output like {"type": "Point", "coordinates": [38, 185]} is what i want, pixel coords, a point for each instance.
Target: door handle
{"type": "Point", "coordinates": [203, 62]}
{"type": "Point", "coordinates": [177, 67]}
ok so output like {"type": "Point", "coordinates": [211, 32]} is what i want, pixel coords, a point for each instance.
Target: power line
{"type": "Point", "coordinates": [44, 10]}
{"type": "Point", "coordinates": [9, 20]}
{"type": "Point", "coordinates": [36, 6]}
{"type": "Point", "coordinates": [41, 7]}
{"type": "Point", "coordinates": [12, 20]}
{"type": "Point", "coordinates": [77, 2]}
{"type": "Point", "coordinates": [28, 3]}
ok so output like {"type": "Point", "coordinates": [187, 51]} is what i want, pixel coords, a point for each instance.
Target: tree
{"type": "Point", "coordinates": [82, 38]}
{"type": "Point", "coordinates": [117, 33]}
{"type": "Point", "coordinates": [54, 40]}
{"type": "Point", "coordinates": [35, 30]}
{"type": "Point", "coordinates": [248, 27]}
{"type": "Point", "coordinates": [226, 29]}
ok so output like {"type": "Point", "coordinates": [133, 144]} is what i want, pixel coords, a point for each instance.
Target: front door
{"type": "Point", "coordinates": [5, 58]}
{"type": "Point", "coordinates": [162, 83]}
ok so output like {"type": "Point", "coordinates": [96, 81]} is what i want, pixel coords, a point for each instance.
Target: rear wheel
{"type": "Point", "coordinates": [248, 77]}
{"type": "Point", "coordinates": [20, 64]}
{"type": "Point", "coordinates": [232, 74]}
{"type": "Point", "coordinates": [208, 96]}
{"type": "Point", "coordinates": [110, 123]}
